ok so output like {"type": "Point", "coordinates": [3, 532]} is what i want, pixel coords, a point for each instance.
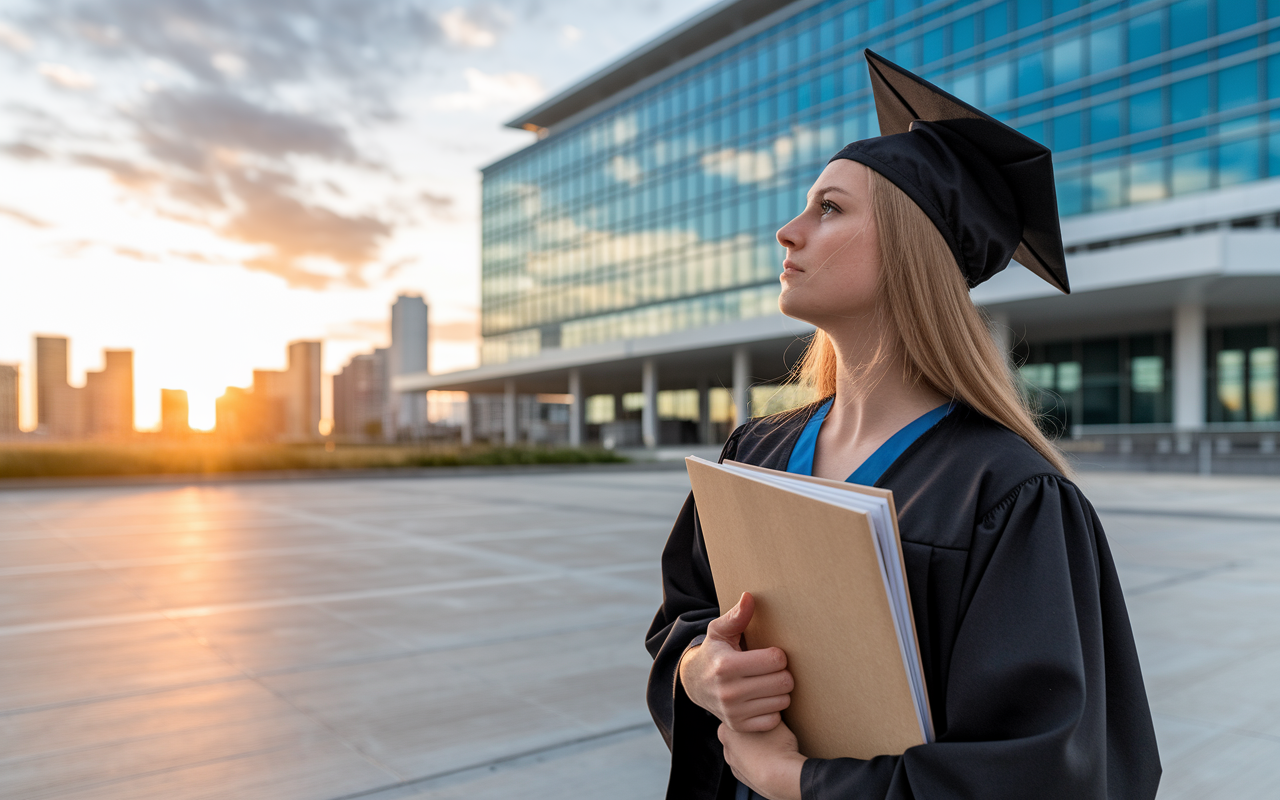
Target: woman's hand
{"type": "Point", "coordinates": [769, 763]}
{"type": "Point", "coordinates": [746, 689]}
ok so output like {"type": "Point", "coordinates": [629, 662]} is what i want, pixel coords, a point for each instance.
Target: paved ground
{"type": "Point", "coordinates": [480, 637]}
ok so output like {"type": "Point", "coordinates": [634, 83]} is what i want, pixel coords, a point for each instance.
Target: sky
{"type": "Point", "coordinates": [203, 181]}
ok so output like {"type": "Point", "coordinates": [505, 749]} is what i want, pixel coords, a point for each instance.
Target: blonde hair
{"type": "Point", "coordinates": [927, 316]}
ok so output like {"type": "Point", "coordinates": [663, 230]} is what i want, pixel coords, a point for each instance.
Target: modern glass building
{"type": "Point", "coordinates": [635, 236]}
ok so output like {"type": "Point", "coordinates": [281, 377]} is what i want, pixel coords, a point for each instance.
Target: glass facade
{"type": "Point", "coordinates": [658, 214]}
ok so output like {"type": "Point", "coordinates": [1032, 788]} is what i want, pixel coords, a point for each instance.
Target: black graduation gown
{"type": "Point", "coordinates": [1028, 655]}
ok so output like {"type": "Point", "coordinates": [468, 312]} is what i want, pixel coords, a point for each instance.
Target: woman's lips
{"type": "Point", "coordinates": [790, 266]}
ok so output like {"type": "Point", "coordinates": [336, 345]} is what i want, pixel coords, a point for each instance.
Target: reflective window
{"type": "Point", "coordinates": [1238, 86]}
{"type": "Point", "coordinates": [1146, 111]}
{"type": "Point", "coordinates": [1030, 73]}
{"type": "Point", "coordinates": [1067, 57]}
{"type": "Point", "coordinates": [1233, 14]}
{"type": "Point", "coordinates": [1238, 162]}
{"type": "Point", "coordinates": [1145, 35]}
{"type": "Point", "coordinates": [1104, 122]}
{"type": "Point", "coordinates": [1190, 99]}
{"type": "Point", "coordinates": [1066, 131]}
{"type": "Point", "coordinates": [1188, 22]}
{"type": "Point", "coordinates": [1106, 49]}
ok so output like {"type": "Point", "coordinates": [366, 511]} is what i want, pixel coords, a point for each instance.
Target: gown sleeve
{"type": "Point", "coordinates": [1044, 695]}
{"type": "Point", "coordinates": [688, 604]}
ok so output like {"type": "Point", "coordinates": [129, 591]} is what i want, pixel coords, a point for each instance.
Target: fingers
{"type": "Point", "coordinates": [759, 724]}
{"type": "Point", "coordinates": [757, 687]}
{"type": "Point", "coordinates": [729, 626]}
{"type": "Point", "coordinates": [750, 663]}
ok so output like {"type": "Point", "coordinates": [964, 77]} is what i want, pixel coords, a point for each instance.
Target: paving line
{"type": "Point", "coordinates": [1189, 513]}
{"type": "Point", "coordinates": [514, 761]}
{"type": "Point", "coordinates": [336, 597]}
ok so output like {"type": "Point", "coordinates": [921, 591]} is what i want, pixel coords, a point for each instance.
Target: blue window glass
{"type": "Point", "coordinates": [875, 13]}
{"type": "Point", "coordinates": [1030, 73]}
{"type": "Point", "coordinates": [1273, 8]}
{"type": "Point", "coordinates": [962, 34]}
{"type": "Point", "coordinates": [995, 21]}
{"type": "Point", "coordinates": [1238, 86]}
{"type": "Point", "coordinates": [1066, 131]}
{"type": "Point", "coordinates": [1273, 76]}
{"type": "Point", "coordinates": [804, 95]}
{"type": "Point", "coordinates": [1104, 189]}
{"type": "Point", "coordinates": [1063, 6]}
{"type": "Point", "coordinates": [1240, 46]}
{"type": "Point", "coordinates": [1070, 196]}
{"type": "Point", "coordinates": [1104, 122]}
{"type": "Point", "coordinates": [1145, 35]}
{"type": "Point", "coordinates": [827, 35]}
{"type": "Point", "coordinates": [1145, 111]}
{"type": "Point", "coordinates": [804, 45]}
{"type": "Point", "coordinates": [997, 83]}
{"type": "Point", "coordinates": [1238, 162]}
{"type": "Point", "coordinates": [1273, 155]}
{"type": "Point", "coordinates": [904, 53]}
{"type": "Point", "coordinates": [1067, 57]}
{"type": "Point", "coordinates": [1190, 99]}
{"type": "Point", "coordinates": [1188, 22]}
{"type": "Point", "coordinates": [828, 87]}
{"type": "Point", "coordinates": [1030, 12]}
{"type": "Point", "coordinates": [901, 7]}
{"type": "Point", "coordinates": [1106, 49]}
{"type": "Point", "coordinates": [1146, 181]}
{"type": "Point", "coordinates": [966, 88]}
{"type": "Point", "coordinates": [933, 45]}
{"type": "Point", "coordinates": [851, 24]}
{"type": "Point", "coordinates": [1233, 14]}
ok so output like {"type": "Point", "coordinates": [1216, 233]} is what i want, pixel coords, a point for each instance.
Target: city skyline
{"type": "Point", "coordinates": [222, 207]}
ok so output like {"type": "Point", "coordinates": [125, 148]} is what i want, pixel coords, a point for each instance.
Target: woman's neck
{"type": "Point", "coordinates": [875, 398]}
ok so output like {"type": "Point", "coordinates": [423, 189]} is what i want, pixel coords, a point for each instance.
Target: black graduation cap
{"type": "Point", "coordinates": [987, 188]}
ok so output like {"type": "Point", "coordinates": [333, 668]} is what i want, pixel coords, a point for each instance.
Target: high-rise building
{"type": "Point", "coordinates": [302, 409]}
{"type": "Point", "coordinates": [408, 355]}
{"type": "Point", "coordinates": [360, 397]}
{"type": "Point", "coordinates": [630, 249]}
{"type": "Point", "coordinates": [59, 411]}
{"type": "Point", "coordinates": [174, 412]}
{"type": "Point", "coordinates": [108, 396]}
{"type": "Point", "coordinates": [8, 400]}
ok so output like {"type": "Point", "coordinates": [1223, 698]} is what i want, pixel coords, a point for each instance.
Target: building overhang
{"type": "Point", "coordinates": [684, 357]}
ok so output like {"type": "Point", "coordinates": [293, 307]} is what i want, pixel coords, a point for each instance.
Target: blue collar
{"type": "Point", "coordinates": [801, 461]}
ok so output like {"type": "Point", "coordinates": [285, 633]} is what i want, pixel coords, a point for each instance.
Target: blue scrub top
{"type": "Point", "coordinates": [801, 463]}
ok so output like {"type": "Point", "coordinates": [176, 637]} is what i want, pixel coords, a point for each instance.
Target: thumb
{"type": "Point", "coordinates": [733, 623]}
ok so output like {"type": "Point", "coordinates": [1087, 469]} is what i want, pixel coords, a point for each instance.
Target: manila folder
{"type": "Point", "coordinates": [820, 596]}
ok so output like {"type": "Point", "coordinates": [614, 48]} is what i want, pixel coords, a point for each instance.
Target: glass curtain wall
{"type": "Point", "coordinates": [1243, 381]}
{"type": "Point", "coordinates": [658, 214]}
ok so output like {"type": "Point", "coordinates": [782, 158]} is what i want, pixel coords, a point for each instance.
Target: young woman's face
{"type": "Point", "coordinates": [833, 252]}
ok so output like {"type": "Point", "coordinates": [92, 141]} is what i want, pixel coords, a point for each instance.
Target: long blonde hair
{"type": "Point", "coordinates": [927, 316]}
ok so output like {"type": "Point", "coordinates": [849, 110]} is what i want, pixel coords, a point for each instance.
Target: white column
{"type": "Point", "coordinates": [704, 410]}
{"type": "Point", "coordinates": [1188, 366]}
{"type": "Point", "coordinates": [649, 416]}
{"type": "Point", "coordinates": [575, 407]}
{"type": "Point", "coordinates": [468, 427]}
{"type": "Point", "coordinates": [510, 428]}
{"type": "Point", "coordinates": [741, 385]}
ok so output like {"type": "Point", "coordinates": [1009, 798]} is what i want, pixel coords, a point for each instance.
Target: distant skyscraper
{"type": "Point", "coordinates": [58, 408]}
{"type": "Point", "coordinates": [8, 400]}
{"type": "Point", "coordinates": [108, 396]}
{"type": "Point", "coordinates": [408, 355]}
{"type": "Point", "coordinates": [360, 396]}
{"type": "Point", "coordinates": [174, 412]}
{"type": "Point", "coordinates": [303, 406]}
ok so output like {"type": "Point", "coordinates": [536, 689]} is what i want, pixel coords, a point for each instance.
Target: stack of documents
{"type": "Point", "coordinates": [824, 563]}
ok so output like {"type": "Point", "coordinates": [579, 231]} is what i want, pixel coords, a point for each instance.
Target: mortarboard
{"type": "Point", "coordinates": [987, 188]}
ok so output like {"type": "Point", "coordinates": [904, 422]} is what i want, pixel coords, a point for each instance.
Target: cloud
{"type": "Point", "coordinates": [23, 217]}
{"type": "Point", "coordinates": [361, 330]}
{"type": "Point", "coordinates": [67, 77]}
{"type": "Point", "coordinates": [23, 151]}
{"type": "Point", "coordinates": [625, 169]}
{"type": "Point", "coordinates": [485, 90]}
{"type": "Point", "coordinates": [461, 29]}
{"type": "Point", "coordinates": [570, 33]}
{"type": "Point", "coordinates": [176, 122]}
{"type": "Point", "coordinates": [293, 231]}
{"type": "Point", "coordinates": [14, 39]}
{"type": "Point", "coordinates": [125, 173]}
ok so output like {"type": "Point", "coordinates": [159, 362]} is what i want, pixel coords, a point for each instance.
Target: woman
{"type": "Point", "coordinates": [1029, 660]}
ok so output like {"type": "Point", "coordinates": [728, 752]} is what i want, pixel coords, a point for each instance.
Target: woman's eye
{"type": "Point", "coordinates": [826, 207]}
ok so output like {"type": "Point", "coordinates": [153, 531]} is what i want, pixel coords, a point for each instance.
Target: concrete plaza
{"type": "Point", "coordinates": [480, 636]}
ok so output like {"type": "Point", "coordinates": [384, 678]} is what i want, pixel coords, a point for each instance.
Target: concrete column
{"type": "Point", "coordinates": [1188, 366]}
{"type": "Point", "coordinates": [575, 407]}
{"type": "Point", "coordinates": [704, 410]}
{"type": "Point", "coordinates": [510, 426]}
{"type": "Point", "coordinates": [649, 416]}
{"type": "Point", "coordinates": [468, 426]}
{"type": "Point", "coordinates": [741, 385]}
